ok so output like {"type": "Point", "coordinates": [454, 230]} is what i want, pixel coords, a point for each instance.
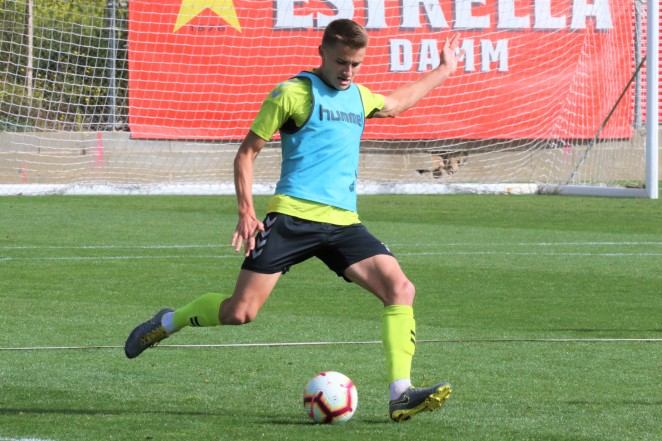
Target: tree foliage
{"type": "Point", "coordinates": [73, 63]}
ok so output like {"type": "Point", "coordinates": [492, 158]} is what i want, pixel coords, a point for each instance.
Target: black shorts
{"type": "Point", "coordinates": [288, 240]}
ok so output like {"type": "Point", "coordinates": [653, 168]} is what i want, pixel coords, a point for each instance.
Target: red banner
{"type": "Point", "coordinates": [199, 69]}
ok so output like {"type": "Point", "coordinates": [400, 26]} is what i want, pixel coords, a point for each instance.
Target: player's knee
{"type": "Point", "coordinates": [244, 319]}
{"type": "Point", "coordinates": [235, 317]}
{"type": "Point", "coordinates": [403, 293]}
{"type": "Point", "coordinates": [409, 291]}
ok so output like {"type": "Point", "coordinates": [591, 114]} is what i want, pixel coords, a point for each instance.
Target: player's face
{"type": "Point", "coordinates": [340, 64]}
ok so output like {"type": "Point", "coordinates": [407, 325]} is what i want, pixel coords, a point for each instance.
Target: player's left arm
{"type": "Point", "coordinates": [409, 94]}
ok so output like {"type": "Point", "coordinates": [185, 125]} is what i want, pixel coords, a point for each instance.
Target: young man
{"type": "Point", "coordinates": [320, 116]}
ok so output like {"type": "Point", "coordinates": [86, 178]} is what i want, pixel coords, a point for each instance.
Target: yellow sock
{"type": "Point", "coordinates": [203, 311]}
{"type": "Point", "coordinates": [399, 340]}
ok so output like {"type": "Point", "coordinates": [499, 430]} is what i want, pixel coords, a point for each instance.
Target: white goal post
{"type": "Point", "coordinates": [154, 96]}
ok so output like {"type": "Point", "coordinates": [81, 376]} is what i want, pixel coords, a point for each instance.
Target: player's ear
{"type": "Point", "coordinates": [320, 50]}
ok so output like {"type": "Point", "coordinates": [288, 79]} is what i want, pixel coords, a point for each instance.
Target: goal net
{"type": "Point", "coordinates": [154, 96]}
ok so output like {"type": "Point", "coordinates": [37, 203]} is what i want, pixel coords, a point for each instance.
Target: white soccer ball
{"type": "Point", "coordinates": [330, 397]}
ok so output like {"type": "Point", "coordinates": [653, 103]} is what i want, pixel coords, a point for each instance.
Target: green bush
{"type": "Point", "coordinates": [72, 65]}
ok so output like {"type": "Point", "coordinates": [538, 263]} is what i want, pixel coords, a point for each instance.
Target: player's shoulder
{"type": "Point", "coordinates": [362, 88]}
{"type": "Point", "coordinates": [372, 102]}
{"type": "Point", "coordinates": [291, 88]}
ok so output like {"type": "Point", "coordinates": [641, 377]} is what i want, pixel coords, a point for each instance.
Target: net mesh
{"type": "Point", "coordinates": [127, 96]}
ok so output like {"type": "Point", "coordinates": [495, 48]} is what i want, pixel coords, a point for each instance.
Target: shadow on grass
{"type": "Point", "coordinates": [295, 422]}
{"type": "Point", "coordinates": [306, 422]}
{"type": "Point", "coordinates": [70, 411]}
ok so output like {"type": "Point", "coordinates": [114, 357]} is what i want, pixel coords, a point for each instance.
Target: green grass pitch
{"type": "Point", "coordinates": [545, 313]}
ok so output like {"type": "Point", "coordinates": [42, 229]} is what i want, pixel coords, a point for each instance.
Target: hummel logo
{"type": "Point", "coordinates": [278, 91]}
{"type": "Point", "coordinates": [262, 237]}
{"type": "Point", "coordinates": [270, 221]}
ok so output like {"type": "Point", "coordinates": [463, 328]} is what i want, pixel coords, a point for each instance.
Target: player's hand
{"type": "Point", "coordinates": [449, 55]}
{"type": "Point", "coordinates": [247, 227]}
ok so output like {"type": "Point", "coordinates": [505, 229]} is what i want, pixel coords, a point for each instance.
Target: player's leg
{"type": "Point", "coordinates": [284, 243]}
{"type": "Point", "coordinates": [203, 311]}
{"type": "Point", "coordinates": [382, 276]}
{"type": "Point", "coordinates": [251, 291]}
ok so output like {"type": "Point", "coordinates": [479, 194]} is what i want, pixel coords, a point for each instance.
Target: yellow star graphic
{"type": "Point", "coordinates": [192, 8]}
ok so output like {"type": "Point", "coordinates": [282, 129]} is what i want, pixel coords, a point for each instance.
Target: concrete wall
{"type": "Point", "coordinates": [115, 158]}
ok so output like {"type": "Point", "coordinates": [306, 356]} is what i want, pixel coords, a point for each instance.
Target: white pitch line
{"type": "Point", "coordinates": [23, 439]}
{"type": "Point", "coordinates": [341, 343]}
{"type": "Point", "coordinates": [11, 259]}
{"type": "Point", "coordinates": [111, 247]}
{"type": "Point", "coordinates": [515, 253]}
{"type": "Point", "coordinates": [399, 254]}
{"type": "Point", "coordinates": [534, 244]}
{"type": "Point", "coordinates": [416, 245]}
{"type": "Point", "coordinates": [494, 249]}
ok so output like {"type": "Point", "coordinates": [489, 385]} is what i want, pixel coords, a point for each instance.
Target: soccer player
{"type": "Point", "coordinates": [320, 115]}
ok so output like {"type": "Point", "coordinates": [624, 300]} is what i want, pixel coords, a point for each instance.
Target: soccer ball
{"type": "Point", "coordinates": [330, 397]}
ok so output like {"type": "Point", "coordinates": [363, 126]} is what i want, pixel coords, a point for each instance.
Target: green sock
{"type": "Point", "coordinates": [399, 339]}
{"type": "Point", "coordinates": [203, 311]}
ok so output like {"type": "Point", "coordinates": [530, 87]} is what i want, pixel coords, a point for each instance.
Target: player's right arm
{"type": "Point", "coordinates": [275, 111]}
{"type": "Point", "coordinates": [248, 224]}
